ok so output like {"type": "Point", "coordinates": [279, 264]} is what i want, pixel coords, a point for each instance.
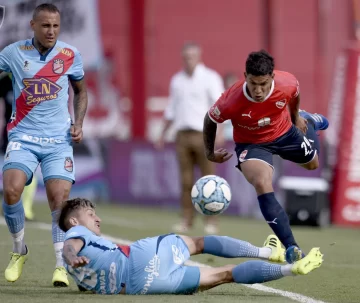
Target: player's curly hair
{"type": "Point", "coordinates": [69, 207]}
{"type": "Point", "coordinates": [260, 63]}
{"type": "Point", "coordinates": [48, 7]}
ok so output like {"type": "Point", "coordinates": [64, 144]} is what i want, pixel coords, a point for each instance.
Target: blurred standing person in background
{"type": "Point", "coordinates": [192, 90]}
{"type": "Point", "coordinates": [6, 93]}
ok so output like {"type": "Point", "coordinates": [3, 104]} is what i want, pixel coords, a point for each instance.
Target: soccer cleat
{"type": "Point", "coordinates": [293, 254]}
{"type": "Point", "coordinates": [60, 278]}
{"type": "Point", "coordinates": [307, 264]}
{"type": "Point", "coordinates": [277, 252]}
{"type": "Point", "coordinates": [320, 121]}
{"type": "Point", "coordinates": [14, 269]}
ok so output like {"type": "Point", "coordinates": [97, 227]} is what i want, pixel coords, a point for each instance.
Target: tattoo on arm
{"type": "Point", "coordinates": [209, 134]}
{"type": "Point", "coordinates": [69, 253]}
{"type": "Point", "coordinates": [80, 101]}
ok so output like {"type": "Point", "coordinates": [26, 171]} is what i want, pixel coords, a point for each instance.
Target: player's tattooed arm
{"type": "Point", "coordinates": [80, 101]}
{"type": "Point", "coordinates": [209, 135]}
{"type": "Point", "coordinates": [70, 253]}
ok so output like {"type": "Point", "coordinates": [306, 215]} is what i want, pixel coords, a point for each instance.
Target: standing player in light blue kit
{"type": "Point", "coordinates": [40, 130]}
{"type": "Point", "coordinates": [156, 265]}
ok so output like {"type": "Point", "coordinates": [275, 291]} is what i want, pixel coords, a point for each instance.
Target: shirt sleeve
{"type": "Point", "coordinates": [295, 90]}
{"type": "Point", "coordinates": [5, 59]}
{"type": "Point", "coordinates": [79, 232]}
{"type": "Point", "coordinates": [77, 71]}
{"type": "Point", "coordinates": [216, 88]}
{"type": "Point", "coordinates": [169, 112]}
{"type": "Point", "coordinates": [218, 113]}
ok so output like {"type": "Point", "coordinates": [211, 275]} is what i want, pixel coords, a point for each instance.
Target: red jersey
{"type": "Point", "coordinates": [257, 122]}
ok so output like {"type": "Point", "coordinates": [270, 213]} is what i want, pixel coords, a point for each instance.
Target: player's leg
{"type": "Point", "coordinates": [256, 165]}
{"type": "Point", "coordinates": [252, 272]}
{"type": "Point", "coordinates": [316, 122]}
{"type": "Point", "coordinates": [28, 199]}
{"type": "Point", "coordinates": [17, 171]}
{"type": "Point", "coordinates": [228, 247]}
{"type": "Point", "coordinates": [186, 162]}
{"type": "Point", "coordinates": [59, 175]}
{"type": "Point", "coordinates": [207, 168]}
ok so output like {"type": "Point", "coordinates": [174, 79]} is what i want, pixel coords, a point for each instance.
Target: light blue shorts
{"type": "Point", "coordinates": [156, 266]}
{"type": "Point", "coordinates": [55, 156]}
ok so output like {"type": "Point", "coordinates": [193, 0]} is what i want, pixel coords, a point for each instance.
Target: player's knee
{"type": "Point", "coordinates": [261, 184]}
{"type": "Point", "coordinates": [312, 165]}
{"type": "Point", "coordinates": [199, 244]}
{"type": "Point", "coordinates": [12, 192]}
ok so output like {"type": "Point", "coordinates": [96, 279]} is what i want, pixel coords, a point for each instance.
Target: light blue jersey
{"type": "Point", "coordinates": [40, 83]}
{"type": "Point", "coordinates": [106, 272]}
{"type": "Point", "coordinates": [39, 129]}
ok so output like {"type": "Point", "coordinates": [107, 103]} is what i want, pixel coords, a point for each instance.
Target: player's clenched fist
{"type": "Point", "coordinates": [219, 156]}
{"type": "Point", "coordinates": [76, 133]}
{"type": "Point", "coordinates": [79, 261]}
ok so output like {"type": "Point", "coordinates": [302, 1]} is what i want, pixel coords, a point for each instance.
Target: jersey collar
{"type": "Point", "coordinates": [43, 57]}
{"type": "Point", "coordinates": [251, 99]}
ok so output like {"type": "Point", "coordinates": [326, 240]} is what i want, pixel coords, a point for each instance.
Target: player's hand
{"type": "Point", "coordinates": [79, 262]}
{"type": "Point", "coordinates": [219, 156]}
{"type": "Point", "coordinates": [301, 124]}
{"type": "Point", "coordinates": [76, 133]}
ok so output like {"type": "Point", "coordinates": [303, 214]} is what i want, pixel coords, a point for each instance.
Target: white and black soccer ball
{"type": "Point", "coordinates": [211, 195]}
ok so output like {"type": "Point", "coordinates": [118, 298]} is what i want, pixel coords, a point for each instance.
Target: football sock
{"type": "Point", "coordinates": [252, 272]}
{"type": "Point", "coordinates": [227, 247]}
{"type": "Point", "coordinates": [277, 218]}
{"type": "Point", "coordinates": [15, 220]}
{"type": "Point", "coordinates": [58, 239]}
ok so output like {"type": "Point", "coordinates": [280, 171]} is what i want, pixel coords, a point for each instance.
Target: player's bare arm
{"type": "Point", "coordinates": [298, 121]}
{"type": "Point", "coordinates": [70, 251]}
{"type": "Point", "coordinates": [80, 106]}
{"type": "Point", "coordinates": [209, 132]}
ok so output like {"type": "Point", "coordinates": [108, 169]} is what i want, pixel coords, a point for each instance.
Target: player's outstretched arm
{"type": "Point", "coordinates": [80, 106]}
{"type": "Point", "coordinates": [70, 251]}
{"type": "Point", "coordinates": [209, 134]}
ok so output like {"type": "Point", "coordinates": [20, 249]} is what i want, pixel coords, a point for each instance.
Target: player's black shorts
{"type": "Point", "coordinates": [292, 146]}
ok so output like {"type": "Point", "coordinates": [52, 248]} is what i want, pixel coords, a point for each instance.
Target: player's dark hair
{"type": "Point", "coordinates": [49, 7]}
{"type": "Point", "coordinates": [69, 207]}
{"type": "Point", "coordinates": [260, 63]}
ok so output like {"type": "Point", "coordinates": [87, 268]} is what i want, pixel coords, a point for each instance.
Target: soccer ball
{"type": "Point", "coordinates": [211, 195]}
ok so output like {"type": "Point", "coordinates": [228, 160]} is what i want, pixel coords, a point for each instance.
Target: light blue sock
{"type": "Point", "coordinates": [252, 272]}
{"type": "Point", "coordinates": [15, 220]}
{"type": "Point", "coordinates": [227, 247]}
{"type": "Point", "coordinates": [58, 238]}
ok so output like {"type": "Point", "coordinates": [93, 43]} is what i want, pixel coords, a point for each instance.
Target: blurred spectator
{"type": "Point", "coordinates": [192, 91]}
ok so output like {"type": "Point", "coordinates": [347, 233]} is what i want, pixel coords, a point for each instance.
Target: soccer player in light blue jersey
{"type": "Point", "coordinates": [40, 130]}
{"type": "Point", "coordinates": [156, 265]}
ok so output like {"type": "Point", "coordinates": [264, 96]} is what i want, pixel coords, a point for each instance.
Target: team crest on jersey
{"type": "Point", "coordinates": [243, 155]}
{"type": "Point", "coordinates": [2, 15]}
{"type": "Point", "coordinates": [58, 66]}
{"type": "Point", "coordinates": [280, 104]}
{"type": "Point", "coordinates": [69, 165]}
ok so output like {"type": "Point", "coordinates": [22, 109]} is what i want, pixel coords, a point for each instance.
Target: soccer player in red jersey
{"type": "Point", "coordinates": [264, 111]}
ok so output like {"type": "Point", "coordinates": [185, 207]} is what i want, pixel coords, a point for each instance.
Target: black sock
{"type": "Point", "coordinates": [277, 218]}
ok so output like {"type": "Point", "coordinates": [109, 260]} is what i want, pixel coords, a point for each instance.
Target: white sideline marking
{"type": "Point", "coordinates": [291, 295]}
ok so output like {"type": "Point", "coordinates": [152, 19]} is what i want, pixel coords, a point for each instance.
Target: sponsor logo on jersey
{"type": "Point", "coordinates": [243, 155]}
{"type": "Point", "coordinates": [26, 66]}
{"type": "Point", "coordinates": [69, 165]}
{"type": "Point", "coordinates": [280, 104]}
{"type": "Point", "coordinates": [58, 66]}
{"type": "Point", "coordinates": [65, 51]}
{"type": "Point", "coordinates": [152, 270]}
{"type": "Point", "coordinates": [40, 90]}
{"type": "Point", "coordinates": [178, 256]}
{"type": "Point", "coordinates": [26, 47]}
